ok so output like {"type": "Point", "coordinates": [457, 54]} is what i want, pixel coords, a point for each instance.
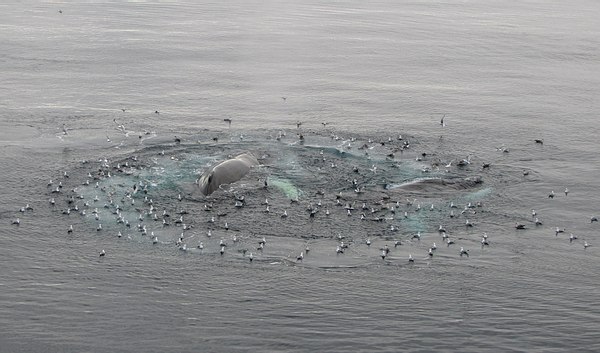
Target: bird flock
{"type": "Point", "coordinates": [118, 202]}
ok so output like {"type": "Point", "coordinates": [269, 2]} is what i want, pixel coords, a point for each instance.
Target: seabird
{"type": "Point", "coordinates": [410, 258]}
{"type": "Point", "coordinates": [551, 195]}
{"type": "Point", "coordinates": [300, 257]}
{"type": "Point", "coordinates": [566, 191]}
{"type": "Point", "coordinates": [417, 236]}
{"type": "Point", "coordinates": [201, 246]}
{"type": "Point", "coordinates": [397, 243]}
{"type": "Point", "coordinates": [339, 250]}
{"type": "Point", "coordinates": [222, 251]}
{"type": "Point", "coordinates": [572, 237]}
{"type": "Point", "coordinates": [441, 229]}
{"type": "Point", "coordinates": [463, 252]}
{"type": "Point", "coordinates": [558, 230]}
{"type": "Point", "coordinates": [538, 222]}
{"type": "Point", "coordinates": [433, 247]}
{"type": "Point", "coordinates": [468, 224]}
{"type": "Point", "coordinates": [368, 242]}
{"type": "Point", "coordinates": [585, 245]}
{"type": "Point", "coordinates": [250, 257]}
{"type": "Point", "coordinates": [533, 213]}
{"type": "Point", "coordinates": [102, 253]}
{"type": "Point", "coordinates": [155, 240]}
{"type": "Point", "coordinates": [430, 252]}
{"type": "Point", "coordinates": [449, 242]}
{"type": "Point", "coordinates": [383, 254]}
{"type": "Point", "coordinates": [70, 230]}
{"type": "Point", "coordinates": [99, 228]}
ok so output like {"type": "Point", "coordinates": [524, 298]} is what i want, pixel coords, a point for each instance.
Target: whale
{"type": "Point", "coordinates": [435, 185]}
{"type": "Point", "coordinates": [226, 172]}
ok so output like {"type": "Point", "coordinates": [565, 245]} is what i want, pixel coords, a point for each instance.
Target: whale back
{"type": "Point", "coordinates": [226, 172]}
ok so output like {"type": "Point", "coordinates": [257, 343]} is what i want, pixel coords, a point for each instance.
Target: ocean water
{"type": "Point", "coordinates": [353, 73]}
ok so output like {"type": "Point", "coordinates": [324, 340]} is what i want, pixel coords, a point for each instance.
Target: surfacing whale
{"type": "Point", "coordinates": [226, 172]}
{"type": "Point", "coordinates": [438, 185]}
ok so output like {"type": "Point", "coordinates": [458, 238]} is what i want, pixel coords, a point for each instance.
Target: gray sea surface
{"type": "Point", "coordinates": [108, 86]}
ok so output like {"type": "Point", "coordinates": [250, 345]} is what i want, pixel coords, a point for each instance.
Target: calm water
{"type": "Point", "coordinates": [503, 73]}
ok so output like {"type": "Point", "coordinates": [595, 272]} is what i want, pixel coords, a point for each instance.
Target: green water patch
{"type": "Point", "coordinates": [478, 194]}
{"type": "Point", "coordinates": [287, 187]}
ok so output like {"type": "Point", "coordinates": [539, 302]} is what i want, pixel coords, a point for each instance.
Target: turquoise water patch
{"type": "Point", "coordinates": [286, 186]}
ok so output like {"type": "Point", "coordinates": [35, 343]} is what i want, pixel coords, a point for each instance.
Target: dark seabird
{"type": "Point", "coordinates": [593, 219]}
{"type": "Point", "coordinates": [519, 226]}
{"type": "Point", "coordinates": [228, 121]}
{"type": "Point", "coordinates": [540, 141]}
